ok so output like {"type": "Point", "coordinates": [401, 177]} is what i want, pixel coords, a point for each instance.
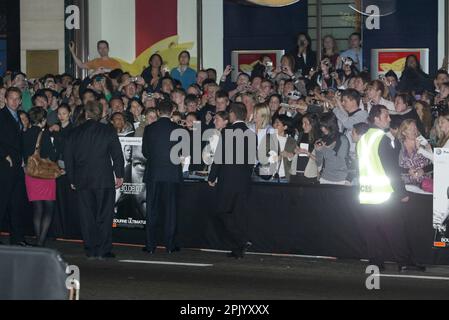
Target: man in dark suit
{"type": "Point", "coordinates": [233, 175]}
{"type": "Point", "coordinates": [90, 149]}
{"type": "Point", "coordinates": [12, 179]}
{"type": "Point", "coordinates": [162, 178]}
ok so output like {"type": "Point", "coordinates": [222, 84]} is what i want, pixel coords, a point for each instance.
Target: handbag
{"type": "Point", "coordinates": [42, 168]}
{"type": "Point", "coordinates": [427, 185]}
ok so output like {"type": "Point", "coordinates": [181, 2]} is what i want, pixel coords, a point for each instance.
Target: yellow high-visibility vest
{"type": "Point", "coordinates": [375, 185]}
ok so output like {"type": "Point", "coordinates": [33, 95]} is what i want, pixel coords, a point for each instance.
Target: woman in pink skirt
{"type": "Point", "coordinates": [41, 193]}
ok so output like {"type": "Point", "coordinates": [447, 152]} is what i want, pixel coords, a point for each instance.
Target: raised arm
{"type": "Point", "coordinates": [77, 60]}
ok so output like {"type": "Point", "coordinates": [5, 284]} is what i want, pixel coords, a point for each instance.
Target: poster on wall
{"type": "Point", "coordinates": [441, 198]}
{"type": "Point", "coordinates": [130, 200]}
{"type": "Point", "coordinates": [384, 60]}
{"type": "Point", "coordinates": [246, 60]}
{"type": "Point", "coordinates": [167, 31]}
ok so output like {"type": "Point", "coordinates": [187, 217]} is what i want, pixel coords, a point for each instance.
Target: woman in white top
{"type": "Point", "coordinates": [221, 122]}
{"type": "Point", "coordinates": [279, 149]}
{"type": "Point", "coordinates": [262, 122]}
{"type": "Point", "coordinates": [375, 93]}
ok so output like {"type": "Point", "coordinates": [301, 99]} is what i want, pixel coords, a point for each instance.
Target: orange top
{"type": "Point", "coordinates": [108, 63]}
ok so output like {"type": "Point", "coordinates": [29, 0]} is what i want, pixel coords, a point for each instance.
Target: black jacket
{"type": "Point", "coordinates": [61, 138]}
{"type": "Point", "coordinates": [305, 66]}
{"type": "Point", "coordinates": [29, 138]}
{"type": "Point", "coordinates": [10, 139]}
{"type": "Point", "coordinates": [88, 153]}
{"type": "Point", "coordinates": [389, 157]}
{"type": "Point", "coordinates": [234, 178]}
{"type": "Point", "coordinates": [157, 149]}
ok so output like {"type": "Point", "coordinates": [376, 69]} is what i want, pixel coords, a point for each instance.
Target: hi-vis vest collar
{"type": "Point", "coordinates": [375, 186]}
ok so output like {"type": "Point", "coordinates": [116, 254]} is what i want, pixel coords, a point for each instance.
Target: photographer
{"type": "Point", "coordinates": [355, 51]}
{"type": "Point", "coordinates": [413, 78]}
{"type": "Point", "coordinates": [263, 68]}
{"type": "Point", "coordinates": [279, 148]}
{"type": "Point", "coordinates": [326, 78]}
{"type": "Point", "coordinates": [348, 113]}
{"type": "Point", "coordinates": [375, 94]}
{"type": "Point", "coordinates": [286, 71]}
{"type": "Point", "coordinates": [305, 161]}
{"type": "Point", "coordinates": [330, 50]}
{"type": "Point", "coordinates": [332, 152]}
{"type": "Point", "coordinates": [304, 58]}
{"type": "Point", "coordinates": [346, 73]}
{"type": "Point", "coordinates": [404, 111]}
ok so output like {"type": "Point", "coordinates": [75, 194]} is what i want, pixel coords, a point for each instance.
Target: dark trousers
{"type": "Point", "coordinates": [162, 199]}
{"type": "Point", "coordinates": [66, 220]}
{"type": "Point", "coordinates": [96, 211]}
{"type": "Point", "coordinates": [231, 220]}
{"type": "Point", "coordinates": [383, 226]}
{"type": "Point", "coordinates": [12, 200]}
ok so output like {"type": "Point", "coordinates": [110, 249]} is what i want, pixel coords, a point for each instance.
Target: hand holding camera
{"type": "Point", "coordinates": [319, 145]}
{"type": "Point", "coordinates": [227, 71]}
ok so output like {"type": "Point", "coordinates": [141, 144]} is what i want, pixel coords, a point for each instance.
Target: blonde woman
{"type": "Point", "coordinates": [330, 50]}
{"type": "Point", "coordinates": [443, 130]}
{"type": "Point", "coordinates": [262, 122]}
{"type": "Point", "coordinates": [415, 164]}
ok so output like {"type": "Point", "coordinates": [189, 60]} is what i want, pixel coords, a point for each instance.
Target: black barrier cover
{"type": "Point", "coordinates": [312, 220]}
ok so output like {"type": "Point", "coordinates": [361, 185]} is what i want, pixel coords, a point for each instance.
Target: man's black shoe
{"type": "Point", "coordinates": [235, 254]}
{"type": "Point", "coordinates": [109, 255]}
{"type": "Point", "coordinates": [149, 251]}
{"type": "Point", "coordinates": [246, 247]}
{"type": "Point", "coordinates": [173, 250]}
{"type": "Point", "coordinates": [411, 268]}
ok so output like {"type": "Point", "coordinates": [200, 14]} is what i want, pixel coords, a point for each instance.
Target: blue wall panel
{"type": "Point", "coordinates": [262, 28]}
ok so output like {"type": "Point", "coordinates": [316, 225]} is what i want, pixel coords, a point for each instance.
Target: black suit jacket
{"type": "Point", "coordinates": [157, 148]}
{"type": "Point", "coordinates": [92, 155]}
{"type": "Point", "coordinates": [10, 139]}
{"type": "Point", "coordinates": [234, 178]}
{"type": "Point", "coordinates": [48, 150]}
{"type": "Point", "coordinates": [307, 65]}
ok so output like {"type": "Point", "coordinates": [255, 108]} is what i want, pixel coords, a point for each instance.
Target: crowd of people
{"type": "Point", "coordinates": [310, 113]}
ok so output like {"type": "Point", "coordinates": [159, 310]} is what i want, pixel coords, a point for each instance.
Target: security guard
{"type": "Point", "coordinates": [382, 194]}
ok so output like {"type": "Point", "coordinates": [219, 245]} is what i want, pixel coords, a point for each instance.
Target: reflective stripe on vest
{"type": "Point", "coordinates": [375, 186]}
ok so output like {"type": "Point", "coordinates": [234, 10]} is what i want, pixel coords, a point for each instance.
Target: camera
{"type": "Point", "coordinates": [134, 79]}
{"type": "Point", "coordinates": [438, 109]}
{"type": "Point", "coordinates": [294, 95]}
{"type": "Point", "coordinates": [269, 64]}
{"type": "Point", "coordinates": [347, 61]}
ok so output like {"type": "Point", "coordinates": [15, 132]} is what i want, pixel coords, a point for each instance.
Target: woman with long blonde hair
{"type": "Point", "coordinates": [443, 130]}
{"type": "Point", "coordinates": [415, 164]}
{"type": "Point", "coordinates": [330, 50]}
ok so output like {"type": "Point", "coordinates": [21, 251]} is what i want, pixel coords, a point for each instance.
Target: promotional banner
{"type": "Point", "coordinates": [384, 60]}
{"type": "Point", "coordinates": [168, 30]}
{"type": "Point", "coordinates": [441, 198]}
{"type": "Point", "coordinates": [130, 206]}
